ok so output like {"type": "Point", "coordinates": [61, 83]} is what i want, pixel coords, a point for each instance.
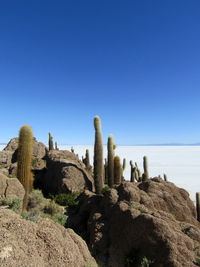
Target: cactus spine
{"type": "Point", "coordinates": [117, 170]}
{"type": "Point", "coordinates": [145, 165]}
{"type": "Point", "coordinates": [98, 156]}
{"type": "Point", "coordinates": [110, 166]}
{"type": "Point", "coordinates": [50, 141]}
{"type": "Point", "coordinates": [24, 160]}
{"type": "Point", "coordinates": [198, 205]}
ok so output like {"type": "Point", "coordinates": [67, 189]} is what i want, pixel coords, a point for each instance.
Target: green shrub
{"type": "Point", "coordinates": [66, 199]}
{"type": "Point", "coordinates": [59, 218]}
{"type": "Point", "coordinates": [138, 208]}
{"type": "Point", "coordinates": [198, 261]}
{"type": "Point", "coordinates": [14, 204]}
{"type": "Point", "coordinates": [146, 262]}
{"type": "Point", "coordinates": [36, 200]}
{"type": "Point", "coordinates": [104, 189]}
{"type": "Point", "coordinates": [52, 208]}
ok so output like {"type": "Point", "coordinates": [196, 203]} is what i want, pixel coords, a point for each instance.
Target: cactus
{"type": "Point", "coordinates": [145, 165]}
{"type": "Point", "coordinates": [165, 177]}
{"type": "Point", "coordinates": [106, 171]}
{"type": "Point", "coordinates": [56, 146]}
{"type": "Point", "coordinates": [87, 159]}
{"type": "Point", "coordinates": [110, 167]}
{"type": "Point", "coordinates": [72, 149]}
{"type": "Point", "coordinates": [50, 141]}
{"type": "Point", "coordinates": [124, 164]}
{"type": "Point", "coordinates": [198, 205]}
{"type": "Point", "coordinates": [117, 170]}
{"type": "Point", "coordinates": [132, 173]}
{"type": "Point", "coordinates": [24, 160]}
{"type": "Point", "coordinates": [98, 156]}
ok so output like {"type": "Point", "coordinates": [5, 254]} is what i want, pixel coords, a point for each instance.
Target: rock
{"type": "Point", "coordinates": [9, 154]}
{"type": "Point", "coordinates": [4, 171]}
{"type": "Point", "coordinates": [43, 244]}
{"type": "Point", "coordinates": [138, 220]}
{"type": "Point", "coordinates": [5, 158]}
{"type": "Point", "coordinates": [11, 188]}
{"type": "Point", "coordinates": [65, 173]}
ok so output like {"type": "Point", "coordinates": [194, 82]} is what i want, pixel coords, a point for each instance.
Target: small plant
{"type": "Point", "coordinates": [34, 161]}
{"type": "Point", "coordinates": [52, 208]}
{"type": "Point", "coordinates": [138, 208]}
{"type": "Point", "coordinates": [11, 176]}
{"type": "Point", "coordinates": [14, 204]}
{"type": "Point", "coordinates": [104, 189]}
{"type": "Point", "coordinates": [146, 262]}
{"type": "Point", "coordinates": [66, 199]}
{"type": "Point", "coordinates": [59, 218]}
{"type": "Point", "coordinates": [198, 261]}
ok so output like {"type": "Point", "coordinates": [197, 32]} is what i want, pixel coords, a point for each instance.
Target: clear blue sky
{"type": "Point", "coordinates": [135, 63]}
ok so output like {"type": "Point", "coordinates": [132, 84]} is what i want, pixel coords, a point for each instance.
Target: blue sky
{"type": "Point", "coordinates": [135, 63]}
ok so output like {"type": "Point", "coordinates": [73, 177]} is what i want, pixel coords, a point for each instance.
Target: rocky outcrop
{"type": "Point", "coordinates": [153, 221]}
{"type": "Point", "coordinates": [43, 244]}
{"type": "Point", "coordinates": [65, 173]}
{"type": "Point", "coordinates": [10, 188]}
{"type": "Point", "coordinates": [8, 157]}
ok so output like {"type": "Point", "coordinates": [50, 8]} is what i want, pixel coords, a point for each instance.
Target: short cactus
{"type": "Point", "coordinates": [110, 166]}
{"type": "Point", "coordinates": [98, 156]}
{"type": "Point", "coordinates": [24, 160]}
{"type": "Point", "coordinates": [165, 177]}
{"type": "Point", "coordinates": [51, 142]}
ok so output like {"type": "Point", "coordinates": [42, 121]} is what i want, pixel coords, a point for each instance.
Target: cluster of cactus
{"type": "Point", "coordinates": [135, 173]}
{"type": "Point", "coordinates": [24, 160]}
{"type": "Point", "coordinates": [86, 161]}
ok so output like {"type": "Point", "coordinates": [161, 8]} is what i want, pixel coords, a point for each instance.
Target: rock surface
{"type": "Point", "coordinates": [8, 157]}
{"type": "Point", "coordinates": [43, 244]}
{"type": "Point", "coordinates": [153, 219]}
{"type": "Point", "coordinates": [10, 188]}
{"type": "Point", "coordinates": [65, 173]}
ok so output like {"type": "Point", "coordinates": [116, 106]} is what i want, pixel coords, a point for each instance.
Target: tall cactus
{"type": "Point", "coordinates": [98, 156]}
{"type": "Point", "coordinates": [117, 170]}
{"type": "Point", "coordinates": [50, 141]}
{"type": "Point", "coordinates": [145, 165]}
{"type": "Point", "coordinates": [24, 160]}
{"type": "Point", "coordinates": [110, 166]}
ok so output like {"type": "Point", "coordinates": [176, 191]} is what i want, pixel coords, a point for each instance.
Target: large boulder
{"type": "Point", "coordinates": [11, 188]}
{"type": "Point", "coordinates": [8, 156]}
{"type": "Point", "coordinates": [152, 221]}
{"type": "Point", "coordinates": [43, 244]}
{"type": "Point", "coordinates": [65, 173]}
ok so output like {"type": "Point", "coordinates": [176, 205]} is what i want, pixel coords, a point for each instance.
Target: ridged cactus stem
{"type": "Point", "coordinates": [51, 142]}
{"type": "Point", "coordinates": [145, 165]}
{"type": "Point", "coordinates": [117, 170]}
{"type": "Point", "coordinates": [106, 171]}
{"type": "Point", "coordinates": [110, 168]}
{"type": "Point", "coordinates": [24, 160]}
{"type": "Point", "coordinates": [56, 145]}
{"type": "Point", "coordinates": [198, 205]}
{"type": "Point", "coordinates": [87, 159]}
{"type": "Point", "coordinates": [132, 173]}
{"type": "Point", "coordinates": [124, 164]}
{"type": "Point", "coordinates": [98, 156]}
